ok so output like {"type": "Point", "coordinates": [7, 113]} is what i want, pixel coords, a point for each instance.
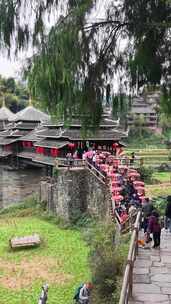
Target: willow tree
{"type": "Point", "coordinates": [76, 58]}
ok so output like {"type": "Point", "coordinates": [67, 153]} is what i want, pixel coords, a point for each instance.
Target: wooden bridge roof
{"type": "Point", "coordinates": [76, 134]}
{"type": "Point", "coordinates": [50, 143]}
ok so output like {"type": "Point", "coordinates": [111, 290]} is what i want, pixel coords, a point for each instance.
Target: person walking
{"type": "Point", "coordinates": [168, 214]}
{"type": "Point", "coordinates": [44, 294]}
{"type": "Point", "coordinates": [154, 227]}
{"type": "Point", "coordinates": [147, 209]}
{"type": "Point", "coordinates": [84, 295]}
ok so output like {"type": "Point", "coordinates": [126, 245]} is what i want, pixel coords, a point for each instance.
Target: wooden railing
{"type": "Point", "coordinates": [99, 175]}
{"type": "Point", "coordinates": [64, 162]}
{"type": "Point", "coordinates": [127, 286]}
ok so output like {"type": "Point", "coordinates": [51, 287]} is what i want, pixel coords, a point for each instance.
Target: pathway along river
{"type": "Point", "coordinates": [16, 186]}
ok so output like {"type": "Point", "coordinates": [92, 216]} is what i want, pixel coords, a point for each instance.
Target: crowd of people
{"type": "Point", "coordinates": [127, 190]}
{"type": "Point", "coordinates": [128, 194]}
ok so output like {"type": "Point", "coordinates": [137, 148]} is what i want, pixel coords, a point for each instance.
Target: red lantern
{"type": "Point", "coordinates": [115, 145]}
{"type": "Point", "coordinates": [37, 150]}
{"type": "Point", "coordinates": [71, 145]}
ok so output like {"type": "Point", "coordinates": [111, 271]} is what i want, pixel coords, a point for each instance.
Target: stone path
{"type": "Point", "coordinates": [152, 274]}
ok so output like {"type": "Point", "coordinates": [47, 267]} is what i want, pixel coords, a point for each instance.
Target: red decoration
{"type": "Point", "coordinates": [54, 152]}
{"type": "Point", "coordinates": [71, 145]}
{"type": "Point", "coordinates": [115, 145]}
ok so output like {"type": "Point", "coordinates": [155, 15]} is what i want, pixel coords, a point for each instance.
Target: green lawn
{"type": "Point", "coordinates": [61, 261]}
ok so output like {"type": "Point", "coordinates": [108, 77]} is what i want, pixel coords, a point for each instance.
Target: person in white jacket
{"type": "Point", "coordinates": [84, 295]}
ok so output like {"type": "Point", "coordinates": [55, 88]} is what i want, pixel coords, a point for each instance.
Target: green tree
{"type": "Point", "coordinates": [139, 122]}
{"type": "Point", "coordinates": [13, 93]}
{"type": "Point", "coordinates": [76, 59]}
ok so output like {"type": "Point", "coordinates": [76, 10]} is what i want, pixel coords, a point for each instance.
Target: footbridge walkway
{"type": "Point", "coordinates": [147, 276]}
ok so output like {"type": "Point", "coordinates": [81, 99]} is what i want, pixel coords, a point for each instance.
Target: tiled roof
{"type": "Point", "coordinates": [6, 141]}
{"type": "Point", "coordinates": [18, 133]}
{"type": "Point", "coordinates": [51, 143]}
{"type": "Point", "coordinates": [76, 134]}
{"type": "Point", "coordinates": [21, 125]}
{"type": "Point", "coordinates": [31, 114]}
{"type": "Point", "coordinates": [6, 114]}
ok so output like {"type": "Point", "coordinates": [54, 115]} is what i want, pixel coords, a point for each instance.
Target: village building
{"type": "Point", "coordinates": [17, 126]}
{"type": "Point", "coordinates": [144, 112]}
{"type": "Point", "coordinates": [32, 139]}
{"type": "Point", "coordinates": [5, 116]}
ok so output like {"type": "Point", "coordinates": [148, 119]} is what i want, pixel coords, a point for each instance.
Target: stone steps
{"type": "Point", "coordinates": [152, 274]}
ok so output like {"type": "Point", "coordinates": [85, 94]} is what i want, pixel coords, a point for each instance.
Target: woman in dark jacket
{"type": "Point", "coordinates": [168, 213]}
{"type": "Point", "coordinates": [154, 227]}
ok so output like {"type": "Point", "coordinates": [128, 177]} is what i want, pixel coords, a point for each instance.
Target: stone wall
{"type": "Point", "coordinates": [75, 191]}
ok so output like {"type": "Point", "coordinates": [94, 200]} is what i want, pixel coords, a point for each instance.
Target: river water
{"type": "Point", "coordinates": [16, 186]}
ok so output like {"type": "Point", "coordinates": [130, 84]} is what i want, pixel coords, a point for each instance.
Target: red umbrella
{"type": "Point", "coordinates": [117, 197]}
{"type": "Point", "coordinates": [133, 174]}
{"type": "Point", "coordinates": [123, 167]}
{"type": "Point", "coordinates": [138, 183]}
{"type": "Point", "coordinates": [115, 183]}
{"type": "Point", "coordinates": [110, 174]}
{"type": "Point", "coordinates": [139, 187]}
{"type": "Point", "coordinates": [116, 189]}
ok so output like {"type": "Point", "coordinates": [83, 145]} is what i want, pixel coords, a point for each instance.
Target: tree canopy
{"type": "Point", "coordinates": [13, 93]}
{"type": "Point", "coordinates": [80, 54]}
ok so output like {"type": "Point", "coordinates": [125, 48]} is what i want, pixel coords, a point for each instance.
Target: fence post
{"type": "Point", "coordinates": [130, 279]}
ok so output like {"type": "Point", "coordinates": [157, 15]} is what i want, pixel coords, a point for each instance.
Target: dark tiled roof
{"type": "Point", "coordinates": [6, 114]}
{"type": "Point", "coordinates": [51, 143]}
{"type": "Point", "coordinates": [99, 135]}
{"type": "Point", "coordinates": [18, 133]}
{"type": "Point", "coordinates": [2, 125]}
{"type": "Point", "coordinates": [31, 114]}
{"type": "Point", "coordinates": [76, 134]}
{"type": "Point", "coordinates": [105, 122]}
{"type": "Point", "coordinates": [5, 133]}
{"type": "Point", "coordinates": [6, 141]}
{"type": "Point", "coordinates": [31, 136]}
{"type": "Point", "coordinates": [25, 125]}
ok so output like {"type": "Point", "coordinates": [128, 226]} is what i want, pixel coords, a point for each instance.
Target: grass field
{"type": "Point", "coordinates": [61, 261]}
{"type": "Point", "coordinates": [163, 177]}
{"type": "Point", "coordinates": [158, 190]}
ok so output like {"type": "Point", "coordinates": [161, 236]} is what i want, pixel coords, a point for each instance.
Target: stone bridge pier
{"type": "Point", "coordinates": [76, 190]}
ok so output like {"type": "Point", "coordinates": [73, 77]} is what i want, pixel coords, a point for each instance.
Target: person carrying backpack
{"type": "Point", "coordinates": [82, 295]}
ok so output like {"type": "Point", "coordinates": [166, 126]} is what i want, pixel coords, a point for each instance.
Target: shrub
{"type": "Point", "coordinates": [146, 174]}
{"type": "Point", "coordinates": [107, 260]}
{"type": "Point", "coordinates": [160, 204]}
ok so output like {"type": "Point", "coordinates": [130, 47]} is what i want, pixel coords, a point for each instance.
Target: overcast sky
{"type": "Point", "coordinates": [12, 67]}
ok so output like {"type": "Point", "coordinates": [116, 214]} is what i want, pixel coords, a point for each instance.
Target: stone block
{"type": "Point", "coordinates": [166, 290]}
{"type": "Point", "coordinates": [141, 278]}
{"type": "Point", "coordinates": [157, 270]}
{"type": "Point", "coordinates": [161, 278]}
{"type": "Point", "coordinates": [155, 258]}
{"type": "Point", "coordinates": [158, 264]}
{"type": "Point", "coordinates": [142, 263]}
{"type": "Point", "coordinates": [141, 270]}
{"type": "Point", "coordinates": [151, 298]}
{"type": "Point", "coordinates": [146, 288]}
{"type": "Point", "coordinates": [166, 259]}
